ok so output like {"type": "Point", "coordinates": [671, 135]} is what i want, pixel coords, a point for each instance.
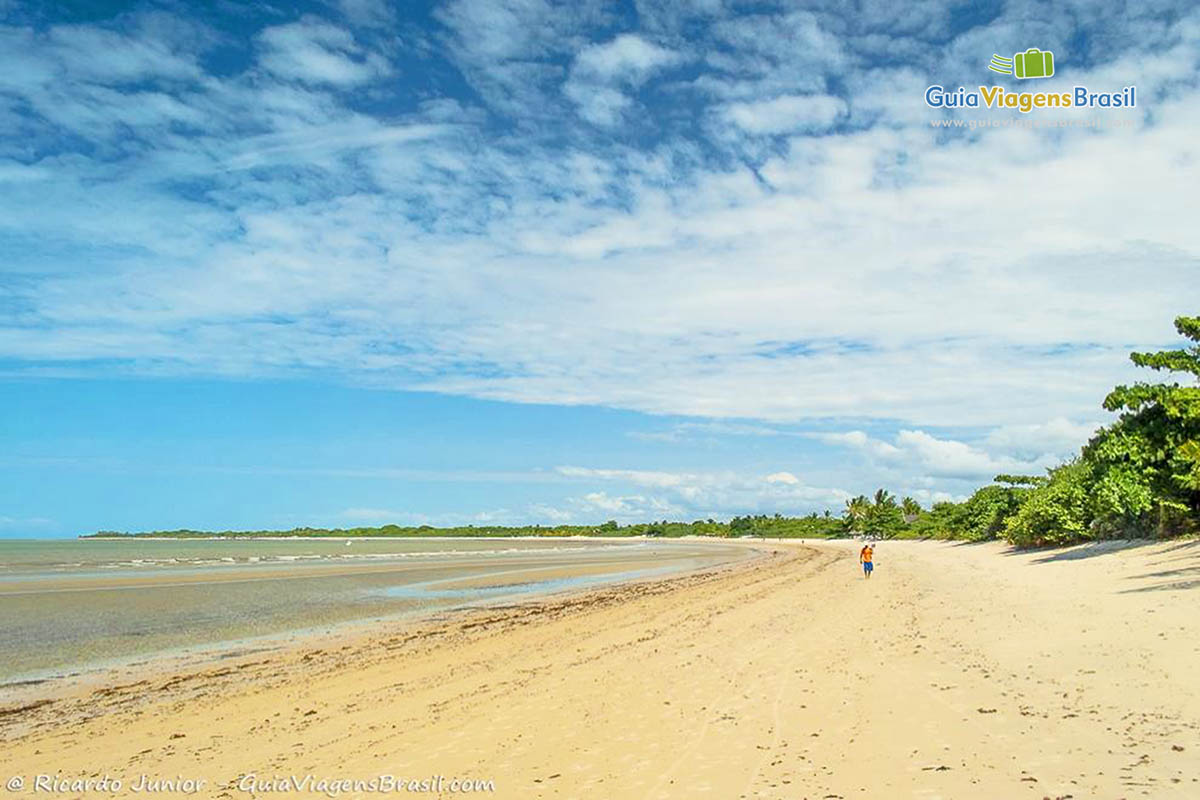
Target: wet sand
{"type": "Point", "coordinates": [958, 671]}
{"type": "Point", "coordinates": [106, 603]}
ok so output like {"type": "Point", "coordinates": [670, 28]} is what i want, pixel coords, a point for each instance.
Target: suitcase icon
{"type": "Point", "coordinates": [1034, 63]}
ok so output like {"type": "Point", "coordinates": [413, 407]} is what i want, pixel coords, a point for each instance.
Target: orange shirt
{"type": "Point", "coordinates": [866, 554]}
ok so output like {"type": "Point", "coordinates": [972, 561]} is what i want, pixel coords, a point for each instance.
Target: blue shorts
{"type": "Point", "coordinates": [868, 566]}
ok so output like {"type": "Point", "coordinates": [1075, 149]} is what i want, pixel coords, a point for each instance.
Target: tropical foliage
{"type": "Point", "coordinates": [1139, 476]}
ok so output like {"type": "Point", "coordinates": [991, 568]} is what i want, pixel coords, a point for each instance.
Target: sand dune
{"type": "Point", "coordinates": [958, 671]}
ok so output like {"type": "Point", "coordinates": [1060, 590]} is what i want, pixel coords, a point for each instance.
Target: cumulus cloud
{"type": "Point", "coordinates": [628, 506]}
{"type": "Point", "coordinates": [918, 453]}
{"type": "Point", "coordinates": [372, 517]}
{"type": "Point", "coordinates": [701, 494]}
{"type": "Point", "coordinates": [548, 513]}
{"type": "Point", "coordinates": [1058, 436]}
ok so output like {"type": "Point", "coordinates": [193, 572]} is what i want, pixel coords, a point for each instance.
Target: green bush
{"type": "Point", "coordinates": [1056, 512]}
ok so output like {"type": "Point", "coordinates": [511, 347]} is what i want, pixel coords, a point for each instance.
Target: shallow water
{"type": "Point", "coordinates": [71, 605]}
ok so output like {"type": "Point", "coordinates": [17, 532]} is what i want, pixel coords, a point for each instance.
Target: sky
{"type": "Point", "coordinates": [510, 261]}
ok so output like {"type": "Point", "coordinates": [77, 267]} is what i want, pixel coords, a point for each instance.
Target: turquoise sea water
{"type": "Point", "coordinates": [72, 605]}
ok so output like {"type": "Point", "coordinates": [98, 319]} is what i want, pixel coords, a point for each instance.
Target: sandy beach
{"type": "Point", "coordinates": [958, 671]}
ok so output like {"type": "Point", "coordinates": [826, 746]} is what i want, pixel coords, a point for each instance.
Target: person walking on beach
{"type": "Point", "coordinates": [864, 556]}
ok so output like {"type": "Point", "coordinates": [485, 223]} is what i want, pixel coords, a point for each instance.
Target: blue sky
{"type": "Point", "coordinates": [507, 261]}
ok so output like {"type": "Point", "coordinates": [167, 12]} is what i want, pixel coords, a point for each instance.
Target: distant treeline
{"type": "Point", "coordinates": [771, 526]}
{"type": "Point", "coordinates": [1138, 477]}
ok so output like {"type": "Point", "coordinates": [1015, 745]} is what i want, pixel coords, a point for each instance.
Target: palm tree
{"type": "Point", "coordinates": [856, 511]}
{"type": "Point", "coordinates": [884, 499]}
{"type": "Point", "coordinates": [911, 508]}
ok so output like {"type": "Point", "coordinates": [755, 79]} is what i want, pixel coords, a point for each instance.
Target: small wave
{"type": "Point", "coordinates": [341, 556]}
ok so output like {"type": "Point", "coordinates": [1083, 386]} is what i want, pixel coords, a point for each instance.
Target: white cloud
{"type": "Point", "coordinates": [876, 271]}
{"type": "Point", "coordinates": [547, 513]}
{"type": "Point", "coordinates": [942, 457]}
{"type": "Point", "coordinates": [105, 56]}
{"type": "Point", "coordinates": [917, 453]}
{"type": "Point", "coordinates": [928, 497]}
{"type": "Point", "coordinates": [1058, 436]}
{"type": "Point", "coordinates": [658, 480]}
{"type": "Point", "coordinates": [368, 13]}
{"type": "Point", "coordinates": [603, 75]}
{"type": "Point", "coordinates": [21, 525]}
{"type": "Point", "coordinates": [758, 56]}
{"type": "Point", "coordinates": [627, 58]}
{"type": "Point", "coordinates": [702, 494]}
{"type": "Point", "coordinates": [636, 506]}
{"type": "Point", "coordinates": [534, 514]}
{"type": "Point", "coordinates": [316, 52]}
{"type": "Point", "coordinates": [325, 143]}
{"type": "Point", "coordinates": [508, 49]}
{"type": "Point", "coordinates": [601, 105]}
{"type": "Point", "coordinates": [787, 113]}
{"type": "Point", "coordinates": [731, 429]}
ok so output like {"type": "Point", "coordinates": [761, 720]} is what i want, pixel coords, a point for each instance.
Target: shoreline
{"type": "Point", "coordinates": [954, 672]}
{"type": "Point", "coordinates": [78, 610]}
{"type": "Point", "coordinates": [182, 662]}
{"type": "Point", "coordinates": [534, 537]}
{"type": "Point", "coordinates": [219, 538]}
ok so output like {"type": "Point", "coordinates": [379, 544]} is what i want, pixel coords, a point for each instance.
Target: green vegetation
{"type": "Point", "coordinates": [1138, 477]}
{"type": "Point", "coordinates": [980, 517]}
{"type": "Point", "coordinates": [761, 525]}
{"type": "Point", "coordinates": [880, 515]}
{"type": "Point", "coordinates": [777, 526]}
{"type": "Point", "coordinates": [810, 527]}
